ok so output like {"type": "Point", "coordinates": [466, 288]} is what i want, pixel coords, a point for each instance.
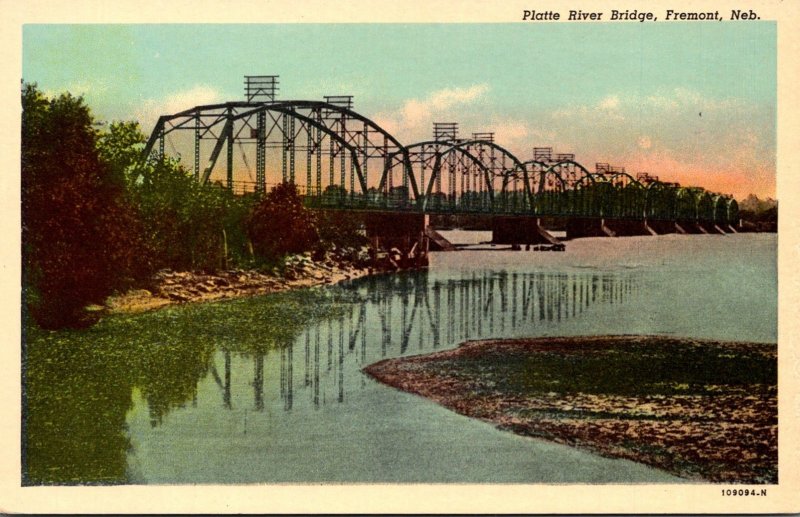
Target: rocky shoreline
{"type": "Point", "coordinates": [177, 287]}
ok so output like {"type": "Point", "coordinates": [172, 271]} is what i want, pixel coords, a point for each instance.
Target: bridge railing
{"type": "Point", "coordinates": [594, 200]}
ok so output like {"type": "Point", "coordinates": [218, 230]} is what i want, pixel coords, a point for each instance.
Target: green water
{"type": "Point", "coordinates": [270, 389]}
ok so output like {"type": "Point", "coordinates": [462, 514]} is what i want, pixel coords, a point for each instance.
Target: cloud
{"type": "Point", "coordinates": [512, 132]}
{"type": "Point", "coordinates": [149, 110]}
{"type": "Point", "coordinates": [610, 103]}
{"type": "Point", "coordinates": [80, 89]}
{"type": "Point", "coordinates": [413, 121]}
{"type": "Point", "coordinates": [723, 144]}
{"type": "Point", "coordinates": [607, 109]}
{"type": "Point", "coordinates": [444, 99]}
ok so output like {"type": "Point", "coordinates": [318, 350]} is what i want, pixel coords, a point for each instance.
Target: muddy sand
{"type": "Point", "coordinates": [703, 410]}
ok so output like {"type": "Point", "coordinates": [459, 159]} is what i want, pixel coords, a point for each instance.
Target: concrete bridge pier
{"type": "Point", "coordinates": [397, 240]}
{"type": "Point", "coordinates": [629, 227]}
{"type": "Point", "coordinates": [521, 230]}
{"type": "Point", "coordinates": [663, 227]}
{"type": "Point", "coordinates": [578, 227]}
{"type": "Point", "coordinates": [690, 227]}
{"type": "Point", "coordinates": [718, 229]}
{"type": "Point", "coordinates": [700, 227]}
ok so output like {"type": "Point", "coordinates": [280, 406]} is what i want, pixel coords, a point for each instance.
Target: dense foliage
{"type": "Point", "coordinates": [97, 216]}
{"type": "Point", "coordinates": [79, 232]}
{"type": "Point", "coordinates": [279, 224]}
{"type": "Point", "coordinates": [340, 229]}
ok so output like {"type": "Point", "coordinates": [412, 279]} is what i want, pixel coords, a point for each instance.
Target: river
{"type": "Point", "coordinates": [306, 413]}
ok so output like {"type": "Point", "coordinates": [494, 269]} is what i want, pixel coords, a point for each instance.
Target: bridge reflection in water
{"type": "Point", "coordinates": [408, 314]}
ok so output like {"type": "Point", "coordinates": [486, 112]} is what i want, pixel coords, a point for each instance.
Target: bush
{"type": "Point", "coordinates": [279, 224]}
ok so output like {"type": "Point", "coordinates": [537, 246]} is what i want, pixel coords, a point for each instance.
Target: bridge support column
{"type": "Point", "coordinates": [628, 227]}
{"type": "Point", "coordinates": [710, 228]}
{"type": "Point", "coordinates": [663, 227]}
{"type": "Point", "coordinates": [578, 227]}
{"type": "Point", "coordinates": [397, 240]}
{"type": "Point", "coordinates": [691, 227]}
{"type": "Point", "coordinates": [520, 230]}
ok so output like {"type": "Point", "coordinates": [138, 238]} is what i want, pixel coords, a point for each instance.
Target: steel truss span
{"type": "Point", "coordinates": [341, 159]}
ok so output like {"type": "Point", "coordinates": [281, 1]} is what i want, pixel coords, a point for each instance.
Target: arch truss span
{"type": "Point", "coordinates": [339, 158]}
{"type": "Point", "coordinates": [475, 176]}
{"type": "Point", "coordinates": [561, 188]}
{"type": "Point", "coordinates": [327, 150]}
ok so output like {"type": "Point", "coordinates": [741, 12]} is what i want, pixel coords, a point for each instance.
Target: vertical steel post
{"type": "Point", "coordinates": [197, 147]}
{"type": "Point", "coordinates": [319, 161]}
{"type": "Point", "coordinates": [331, 162]}
{"type": "Point", "coordinates": [230, 156]}
{"type": "Point", "coordinates": [284, 144]}
{"type": "Point", "coordinates": [291, 149]}
{"type": "Point", "coordinates": [261, 152]}
{"type": "Point", "coordinates": [451, 176]}
{"type": "Point", "coordinates": [342, 158]}
{"type": "Point", "coordinates": [388, 183]}
{"type": "Point", "coordinates": [353, 157]}
{"type": "Point", "coordinates": [366, 157]}
{"type": "Point", "coordinates": [309, 152]}
{"type": "Point", "coordinates": [423, 189]}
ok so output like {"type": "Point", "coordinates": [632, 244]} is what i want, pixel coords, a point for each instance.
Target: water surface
{"type": "Point", "coordinates": [254, 392]}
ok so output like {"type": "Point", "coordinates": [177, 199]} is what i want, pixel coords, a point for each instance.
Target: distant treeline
{"type": "Point", "coordinates": [759, 215]}
{"type": "Point", "coordinates": [98, 218]}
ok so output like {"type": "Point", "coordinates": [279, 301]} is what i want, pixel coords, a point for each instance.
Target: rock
{"type": "Point", "coordinates": [206, 288]}
{"type": "Point", "coordinates": [180, 297]}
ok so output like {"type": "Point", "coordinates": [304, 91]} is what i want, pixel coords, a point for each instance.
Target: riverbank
{"type": "Point", "coordinates": [703, 410]}
{"type": "Point", "coordinates": [175, 287]}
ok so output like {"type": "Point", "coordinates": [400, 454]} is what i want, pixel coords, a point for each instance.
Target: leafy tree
{"type": "Point", "coordinates": [185, 225]}
{"type": "Point", "coordinates": [279, 224]}
{"type": "Point", "coordinates": [79, 235]}
{"type": "Point", "coordinates": [121, 148]}
{"type": "Point", "coordinates": [188, 225]}
{"type": "Point", "coordinates": [341, 229]}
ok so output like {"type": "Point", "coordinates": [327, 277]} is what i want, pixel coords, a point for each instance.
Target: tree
{"type": "Point", "coordinates": [185, 225]}
{"type": "Point", "coordinates": [279, 224]}
{"type": "Point", "coordinates": [341, 229]}
{"type": "Point", "coordinates": [121, 148]}
{"type": "Point", "coordinates": [188, 225]}
{"type": "Point", "coordinates": [79, 234]}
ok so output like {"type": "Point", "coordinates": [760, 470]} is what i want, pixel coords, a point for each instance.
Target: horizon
{"type": "Point", "coordinates": [691, 103]}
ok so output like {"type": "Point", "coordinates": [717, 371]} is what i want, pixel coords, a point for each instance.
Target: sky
{"type": "Point", "coordinates": [688, 102]}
